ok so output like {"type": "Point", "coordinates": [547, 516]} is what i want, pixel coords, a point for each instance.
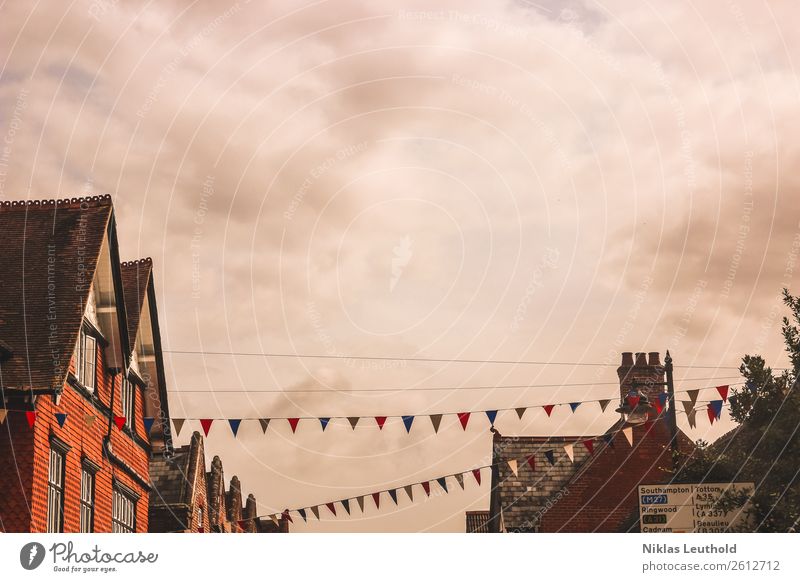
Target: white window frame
{"type": "Point", "coordinates": [128, 401]}
{"type": "Point", "coordinates": [56, 473]}
{"type": "Point", "coordinates": [123, 512]}
{"type": "Point", "coordinates": [87, 499]}
{"type": "Point", "coordinates": [88, 371]}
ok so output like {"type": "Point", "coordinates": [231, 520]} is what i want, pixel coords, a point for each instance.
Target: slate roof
{"type": "Point", "coordinates": [135, 277]}
{"type": "Point", "coordinates": [174, 481]}
{"type": "Point", "coordinates": [49, 254]}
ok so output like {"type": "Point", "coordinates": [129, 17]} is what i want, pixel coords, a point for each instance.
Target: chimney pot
{"type": "Point", "coordinates": [627, 358]}
{"type": "Point", "coordinates": [654, 359]}
{"type": "Point", "coordinates": [641, 359]}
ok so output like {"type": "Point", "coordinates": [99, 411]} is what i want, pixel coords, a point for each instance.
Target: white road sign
{"type": "Point", "coordinates": [688, 507]}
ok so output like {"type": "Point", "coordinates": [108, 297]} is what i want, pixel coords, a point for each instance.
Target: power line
{"type": "Point", "coordinates": [437, 389]}
{"type": "Point", "coordinates": [415, 359]}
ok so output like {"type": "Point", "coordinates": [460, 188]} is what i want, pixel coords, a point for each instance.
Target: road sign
{"type": "Point", "coordinates": [689, 507]}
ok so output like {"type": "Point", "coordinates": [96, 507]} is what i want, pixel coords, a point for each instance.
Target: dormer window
{"type": "Point", "coordinates": [86, 360]}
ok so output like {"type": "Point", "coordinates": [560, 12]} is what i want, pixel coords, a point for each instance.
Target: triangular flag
{"type": "Point", "coordinates": [550, 457]}
{"type": "Point", "coordinates": [574, 405]}
{"type": "Point", "coordinates": [206, 424]}
{"type": "Point", "coordinates": [409, 489]}
{"type": "Point", "coordinates": [148, 424]}
{"type": "Point", "coordinates": [477, 474]}
{"type": "Point", "coordinates": [692, 394]}
{"type": "Point", "coordinates": [274, 519]}
{"type": "Point", "coordinates": [264, 422]}
{"type": "Point", "coordinates": [201, 530]}
{"type": "Point", "coordinates": [687, 406]}
{"type": "Point", "coordinates": [628, 432]}
{"type": "Point", "coordinates": [234, 422]}
{"type": "Point", "coordinates": [407, 421]}
{"type": "Point", "coordinates": [711, 414]}
{"type": "Point", "coordinates": [353, 420]}
{"type": "Point", "coordinates": [604, 404]}
{"type": "Point", "coordinates": [532, 462]}
{"type": "Point", "coordinates": [61, 418]}
{"type": "Point", "coordinates": [442, 481]}
{"type": "Point", "coordinates": [459, 479]}
{"type": "Point", "coordinates": [3, 414]}
{"type": "Point", "coordinates": [463, 418]}
{"type": "Point", "coordinates": [662, 398]}
{"type": "Point", "coordinates": [376, 497]}
{"type": "Point", "coordinates": [633, 401]}
{"type": "Point", "coordinates": [346, 504]}
{"type": "Point", "coordinates": [520, 412]}
{"type": "Point", "coordinates": [426, 486]}
{"type": "Point", "coordinates": [293, 423]}
{"type": "Point", "coordinates": [90, 418]}
{"type": "Point", "coordinates": [436, 420]}
{"type": "Point", "coordinates": [658, 405]}
{"type": "Point", "coordinates": [393, 495]}
{"type": "Point", "coordinates": [589, 444]}
{"type": "Point", "coordinates": [360, 501]}
{"type": "Point", "coordinates": [752, 386]}
{"type": "Point", "coordinates": [512, 464]}
{"type": "Point", "coordinates": [119, 421]}
{"type": "Point", "coordinates": [716, 406]}
{"type": "Point", "coordinates": [723, 391]}
{"type": "Point", "coordinates": [285, 515]}
{"type": "Point", "coordinates": [609, 439]}
{"type": "Point", "coordinates": [548, 408]}
{"type": "Point", "coordinates": [732, 399]}
{"type": "Point", "coordinates": [302, 513]}
{"type": "Point", "coordinates": [491, 415]}
{"type": "Point", "coordinates": [242, 523]}
{"type": "Point", "coordinates": [570, 450]}
{"type": "Point", "coordinates": [178, 424]}
{"type": "Point", "coordinates": [315, 511]}
{"type": "Point", "coordinates": [31, 416]}
{"type": "Point", "coordinates": [380, 420]}
{"type": "Point", "coordinates": [324, 422]}
{"type": "Point", "coordinates": [691, 416]}
{"type": "Point", "coordinates": [332, 508]}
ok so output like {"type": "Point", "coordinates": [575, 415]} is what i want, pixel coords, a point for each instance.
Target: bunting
{"type": "Point", "coordinates": [346, 505]}
{"type": "Point", "coordinates": [477, 474]}
{"type": "Point", "coordinates": [119, 421]}
{"type": "Point", "coordinates": [723, 391]}
{"type": "Point", "coordinates": [604, 404]}
{"type": "Point", "coordinates": [293, 422]}
{"type": "Point", "coordinates": [459, 479]}
{"type": "Point", "coordinates": [353, 420]}
{"type": "Point", "coordinates": [691, 416]}
{"type": "Point", "coordinates": [512, 464]}
{"type": "Point", "coordinates": [376, 497]}
{"type": "Point", "coordinates": [148, 424]}
{"type": "Point", "coordinates": [381, 420]}
{"type": "Point", "coordinates": [491, 415]}
{"type": "Point", "coordinates": [31, 417]}
{"type": "Point", "coordinates": [264, 422]}
{"type": "Point", "coordinates": [426, 486]}
{"type": "Point", "coordinates": [234, 424]}
{"type": "Point", "coordinates": [90, 418]}
{"type": "Point", "coordinates": [407, 422]}
{"type": "Point", "coordinates": [609, 439]}
{"type": "Point", "coordinates": [302, 513]}
{"type": "Point", "coordinates": [324, 423]}
{"type": "Point", "coordinates": [574, 406]}
{"type": "Point", "coordinates": [315, 510]}
{"type": "Point", "coordinates": [3, 415]}
{"type": "Point", "coordinates": [532, 462]}
{"type": "Point", "coordinates": [206, 424]}
{"type": "Point", "coordinates": [550, 457]}
{"type": "Point", "coordinates": [548, 408]}
{"type": "Point", "coordinates": [589, 444]}
{"type": "Point", "coordinates": [61, 418]}
{"type": "Point", "coordinates": [570, 450]}
{"type": "Point", "coordinates": [360, 501]}
{"type": "Point", "coordinates": [332, 508]}
{"type": "Point", "coordinates": [463, 418]}
{"type": "Point", "coordinates": [442, 481]}
{"type": "Point", "coordinates": [436, 420]}
{"type": "Point", "coordinates": [628, 432]}
{"type": "Point", "coordinates": [520, 412]}
{"type": "Point", "coordinates": [393, 495]}
{"type": "Point", "coordinates": [693, 394]}
{"type": "Point", "coordinates": [409, 489]}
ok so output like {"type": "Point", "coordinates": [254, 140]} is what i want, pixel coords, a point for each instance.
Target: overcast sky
{"type": "Point", "coordinates": [550, 181]}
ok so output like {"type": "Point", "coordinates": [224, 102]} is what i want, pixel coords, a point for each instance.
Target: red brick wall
{"type": "Point", "coordinates": [603, 497]}
{"type": "Point", "coordinates": [32, 448]}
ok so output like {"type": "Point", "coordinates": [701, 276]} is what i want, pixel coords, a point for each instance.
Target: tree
{"type": "Point", "coordinates": [765, 446]}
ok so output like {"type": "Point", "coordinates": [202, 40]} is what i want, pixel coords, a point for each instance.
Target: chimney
{"type": "Point", "coordinates": [643, 372]}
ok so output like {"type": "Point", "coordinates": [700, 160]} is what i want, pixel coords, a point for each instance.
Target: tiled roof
{"type": "Point", "coordinates": [135, 277]}
{"type": "Point", "coordinates": [47, 261]}
{"type": "Point", "coordinates": [477, 522]}
{"type": "Point", "coordinates": [173, 480]}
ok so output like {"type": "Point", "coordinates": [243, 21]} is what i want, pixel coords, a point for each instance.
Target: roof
{"type": "Point", "coordinates": [135, 277]}
{"type": "Point", "coordinates": [477, 522]}
{"type": "Point", "coordinates": [174, 480]}
{"type": "Point", "coordinates": [50, 253]}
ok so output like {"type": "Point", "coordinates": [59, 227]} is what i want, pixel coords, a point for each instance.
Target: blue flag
{"type": "Point", "coordinates": [324, 422]}
{"type": "Point", "coordinates": [61, 417]}
{"type": "Point", "coordinates": [550, 458]}
{"type": "Point", "coordinates": [662, 398]}
{"type": "Point", "coordinates": [443, 482]}
{"type": "Point", "coordinates": [346, 504]}
{"type": "Point", "coordinates": [609, 438]}
{"type": "Point", "coordinates": [574, 405]}
{"type": "Point", "coordinates": [750, 385]}
{"type": "Point", "coordinates": [393, 495]}
{"type": "Point", "coordinates": [716, 406]}
{"type": "Point", "coordinates": [235, 422]}
{"type": "Point", "coordinates": [491, 415]}
{"type": "Point", "coordinates": [302, 513]}
{"type": "Point", "coordinates": [408, 420]}
{"type": "Point", "coordinates": [148, 424]}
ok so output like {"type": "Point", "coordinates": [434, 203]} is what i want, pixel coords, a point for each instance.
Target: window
{"type": "Point", "coordinates": [199, 517]}
{"type": "Point", "coordinates": [55, 492]}
{"type": "Point", "coordinates": [86, 360]}
{"type": "Point", "coordinates": [123, 512]}
{"type": "Point", "coordinates": [128, 401]}
{"type": "Point", "coordinates": [87, 500]}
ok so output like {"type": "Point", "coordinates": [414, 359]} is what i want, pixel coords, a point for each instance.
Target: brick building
{"type": "Point", "coordinates": [593, 492]}
{"type": "Point", "coordinates": [81, 372]}
{"type": "Point", "coordinates": [187, 498]}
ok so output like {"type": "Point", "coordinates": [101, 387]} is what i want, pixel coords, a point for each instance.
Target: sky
{"type": "Point", "coordinates": [554, 181]}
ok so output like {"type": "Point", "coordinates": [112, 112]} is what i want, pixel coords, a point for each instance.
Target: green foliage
{"type": "Point", "coordinates": [765, 446]}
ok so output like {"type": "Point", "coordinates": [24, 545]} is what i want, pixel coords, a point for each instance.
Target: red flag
{"type": "Point", "coordinates": [332, 508]}
{"type": "Point", "coordinates": [589, 444]}
{"type": "Point", "coordinates": [463, 417]}
{"type": "Point", "coordinates": [532, 462]}
{"type": "Point", "coordinates": [633, 401]}
{"type": "Point", "coordinates": [427, 487]}
{"type": "Point", "coordinates": [548, 408]}
{"type": "Point", "coordinates": [723, 391]}
{"type": "Point", "coordinates": [293, 423]}
{"type": "Point", "coordinates": [119, 421]}
{"type": "Point", "coordinates": [242, 524]}
{"type": "Point", "coordinates": [712, 416]}
{"type": "Point", "coordinates": [657, 405]}
{"type": "Point", "coordinates": [285, 515]}
{"type": "Point", "coordinates": [206, 424]}
{"type": "Point", "coordinates": [477, 474]}
{"type": "Point", "coordinates": [31, 415]}
{"type": "Point", "coordinates": [380, 420]}
{"type": "Point", "coordinates": [201, 530]}
{"type": "Point", "coordinates": [376, 497]}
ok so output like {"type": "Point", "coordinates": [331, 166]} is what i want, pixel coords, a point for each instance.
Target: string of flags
{"type": "Point", "coordinates": [443, 484]}
{"type": "Point", "coordinates": [407, 420]}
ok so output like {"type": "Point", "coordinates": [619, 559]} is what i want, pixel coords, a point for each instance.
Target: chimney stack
{"type": "Point", "coordinates": [642, 373]}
